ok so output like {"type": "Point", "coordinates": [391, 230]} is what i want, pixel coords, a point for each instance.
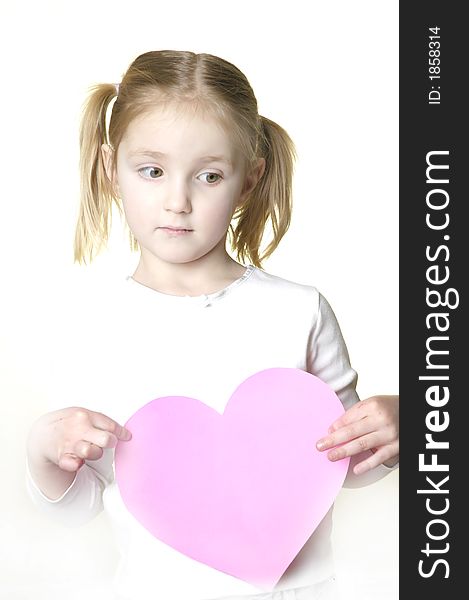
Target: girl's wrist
{"type": "Point", "coordinates": [36, 454]}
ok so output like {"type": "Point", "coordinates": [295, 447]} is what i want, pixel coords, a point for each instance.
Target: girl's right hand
{"type": "Point", "coordinates": [68, 436]}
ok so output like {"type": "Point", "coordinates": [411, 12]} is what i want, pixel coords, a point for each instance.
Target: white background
{"type": "Point", "coordinates": [327, 72]}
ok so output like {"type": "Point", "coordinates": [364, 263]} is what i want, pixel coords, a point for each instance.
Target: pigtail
{"type": "Point", "coordinates": [270, 200]}
{"type": "Point", "coordinates": [96, 191]}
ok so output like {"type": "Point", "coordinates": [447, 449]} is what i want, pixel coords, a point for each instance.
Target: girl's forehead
{"type": "Point", "coordinates": [174, 117]}
{"type": "Point", "coordinates": [172, 126]}
{"type": "Point", "coordinates": [177, 111]}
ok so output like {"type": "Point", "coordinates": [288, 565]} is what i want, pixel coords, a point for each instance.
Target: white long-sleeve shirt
{"type": "Point", "coordinates": [135, 344]}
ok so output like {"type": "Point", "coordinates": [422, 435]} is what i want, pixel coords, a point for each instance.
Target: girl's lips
{"type": "Point", "coordinates": [175, 230]}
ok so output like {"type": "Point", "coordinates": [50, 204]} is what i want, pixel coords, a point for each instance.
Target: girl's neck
{"type": "Point", "coordinates": [195, 278]}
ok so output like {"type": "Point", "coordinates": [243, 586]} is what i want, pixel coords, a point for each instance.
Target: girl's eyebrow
{"type": "Point", "coordinates": [216, 159]}
{"type": "Point", "coordinates": [143, 152]}
{"type": "Point", "coordinates": [156, 154]}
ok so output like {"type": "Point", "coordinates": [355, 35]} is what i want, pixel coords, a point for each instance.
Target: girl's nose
{"type": "Point", "coordinates": [178, 198]}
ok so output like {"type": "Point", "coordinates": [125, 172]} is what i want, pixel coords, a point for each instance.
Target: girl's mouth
{"type": "Point", "coordinates": [175, 230]}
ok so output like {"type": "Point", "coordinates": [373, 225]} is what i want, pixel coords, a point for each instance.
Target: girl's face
{"type": "Point", "coordinates": [180, 180]}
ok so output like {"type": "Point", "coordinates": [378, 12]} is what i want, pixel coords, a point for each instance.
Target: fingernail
{"type": "Point", "coordinates": [127, 435]}
{"type": "Point", "coordinates": [333, 455]}
{"type": "Point", "coordinates": [320, 445]}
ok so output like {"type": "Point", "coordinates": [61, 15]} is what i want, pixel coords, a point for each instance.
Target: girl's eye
{"type": "Point", "coordinates": [211, 177]}
{"type": "Point", "coordinates": [152, 169]}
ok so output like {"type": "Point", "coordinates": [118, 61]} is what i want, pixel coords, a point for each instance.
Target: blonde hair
{"type": "Point", "coordinates": [202, 80]}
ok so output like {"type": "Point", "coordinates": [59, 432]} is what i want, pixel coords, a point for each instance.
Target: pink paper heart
{"type": "Point", "coordinates": [241, 492]}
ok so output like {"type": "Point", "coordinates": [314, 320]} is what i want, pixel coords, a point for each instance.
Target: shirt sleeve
{"type": "Point", "coordinates": [329, 360]}
{"type": "Point", "coordinates": [82, 501]}
{"type": "Point", "coordinates": [328, 356]}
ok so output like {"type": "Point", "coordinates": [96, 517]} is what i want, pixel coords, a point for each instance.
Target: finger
{"type": "Point", "coordinates": [70, 462]}
{"type": "Point", "coordinates": [355, 413]}
{"type": "Point", "coordinates": [380, 456]}
{"type": "Point", "coordinates": [346, 433]}
{"type": "Point", "coordinates": [87, 450]}
{"type": "Point", "coordinates": [356, 446]}
{"type": "Point", "coordinates": [89, 445]}
{"type": "Point", "coordinates": [105, 423]}
{"type": "Point", "coordinates": [100, 438]}
{"type": "Point", "coordinates": [358, 432]}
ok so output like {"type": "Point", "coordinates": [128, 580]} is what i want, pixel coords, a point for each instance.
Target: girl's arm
{"type": "Point", "coordinates": [69, 462]}
{"type": "Point", "coordinates": [328, 359]}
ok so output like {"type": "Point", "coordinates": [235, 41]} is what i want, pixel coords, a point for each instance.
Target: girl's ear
{"type": "Point", "coordinates": [107, 152]}
{"type": "Point", "coordinates": [252, 178]}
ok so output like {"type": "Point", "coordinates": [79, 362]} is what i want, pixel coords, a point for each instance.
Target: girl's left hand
{"type": "Point", "coordinates": [372, 424]}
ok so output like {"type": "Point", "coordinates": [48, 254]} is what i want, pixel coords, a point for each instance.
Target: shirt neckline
{"type": "Point", "coordinates": [200, 300]}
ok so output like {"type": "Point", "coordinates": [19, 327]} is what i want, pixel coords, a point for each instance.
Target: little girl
{"type": "Point", "coordinates": [186, 156]}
